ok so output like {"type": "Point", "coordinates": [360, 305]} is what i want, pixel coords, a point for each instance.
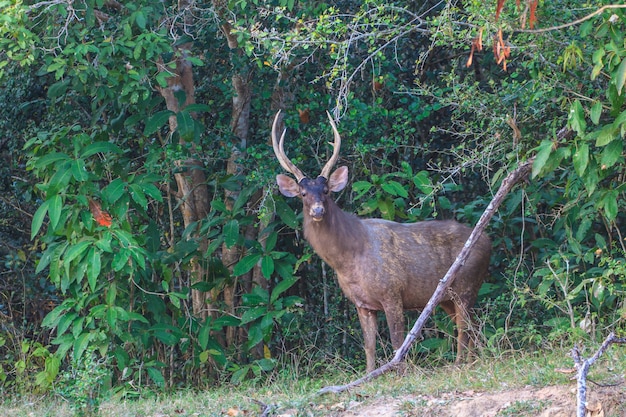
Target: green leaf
{"type": "Point", "coordinates": [609, 202]}
{"type": "Point", "coordinates": [100, 147]}
{"type": "Point", "coordinates": [93, 267]}
{"type": "Point", "coordinates": [231, 233]}
{"type": "Point", "coordinates": [79, 171]}
{"type": "Point", "coordinates": [620, 76]}
{"type": "Point", "coordinates": [61, 178]}
{"type": "Point", "coordinates": [281, 287]}
{"type": "Point", "coordinates": [596, 111]}
{"type": "Point", "coordinates": [54, 210]}
{"type": "Point", "coordinates": [286, 214]}
{"type": "Point", "coordinates": [138, 195]}
{"type": "Point", "coordinates": [57, 89]}
{"type": "Point", "coordinates": [253, 313]}
{"type": "Point", "coordinates": [543, 153]}
{"type": "Point", "coordinates": [111, 317]}
{"type": "Point", "coordinates": [156, 376]}
{"type": "Point", "coordinates": [51, 159]}
{"type": "Point", "coordinates": [74, 251]}
{"type": "Point", "coordinates": [65, 321]}
{"type": "Point", "coordinates": [360, 188]}
{"type": "Point", "coordinates": [203, 336]}
{"type": "Point", "coordinates": [246, 264]}
{"type": "Point", "coordinates": [186, 125]}
{"type": "Point", "coordinates": [576, 118]}
{"type": "Point", "coordinates": [112, 192]}
{"type": "Point", "coordinates": [395, 188]}
{"type": "Point", "coordinates": [239, 375]}
{"type": "Point", "coordinates": [140, 19]}
{"type": "Point", "coordinates": [157, 120]}
{"type": "Point", "coordinates": [422, 182]}
{"type": "Point", "coordinates": [80, 344]}
{"type": "Point", "coordinates": [267, 266]}
{"type": "Point", "coordinates": [120, 260]}
{"type": "Point", "coordinates": [53, 317]}
{"type": "Point", "coordinates": [166, 333]}
{"type": "Point", "coordinates": [580, 159]}
{"type": "Point", "coordinates": [38, 218]}
{"type": "Point", "coordinates": [605, 135]}
{"type": "Point", "coordinates": [198, 107]}
{"type": "Point", "coordinates": [152, 191]}
{"type": "Point", "coordinates": [611, 154]}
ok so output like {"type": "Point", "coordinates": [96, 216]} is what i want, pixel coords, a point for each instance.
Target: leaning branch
{"type": "Point", "coordinates": [519, 174]}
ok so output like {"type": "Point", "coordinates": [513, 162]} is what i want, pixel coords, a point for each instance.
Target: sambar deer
{"type": "Point", "coordinates": [382, 265]}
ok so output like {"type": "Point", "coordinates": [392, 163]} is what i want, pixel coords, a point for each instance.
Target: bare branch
{"type": "Point", "coordinates": [583, 365]}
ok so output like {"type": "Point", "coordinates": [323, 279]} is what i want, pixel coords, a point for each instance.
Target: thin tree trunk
{"type": "Point", "coordinates": [190, 178]}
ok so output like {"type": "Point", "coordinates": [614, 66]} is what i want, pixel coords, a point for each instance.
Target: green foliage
{"type": "Point", "coordinates": [28, 367]}
{"type": "Point", "coordinates": [84, 384]}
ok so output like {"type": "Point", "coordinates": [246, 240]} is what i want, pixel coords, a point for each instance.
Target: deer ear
{"type": "Point", "coordinates": [287, 185]}
{"type": "Point", "coordinates": [338, 179]}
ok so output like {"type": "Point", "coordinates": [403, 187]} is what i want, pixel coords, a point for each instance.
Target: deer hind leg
{"type": "Point", "coordinates": [369, 327]}
{"type": "Point", "coordinates": [458, 313]}
{"type": "Point", "coordinates": [395, 321]}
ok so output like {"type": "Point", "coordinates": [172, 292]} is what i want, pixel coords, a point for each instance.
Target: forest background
{"type": "Point", "coordinates": [143, 242]}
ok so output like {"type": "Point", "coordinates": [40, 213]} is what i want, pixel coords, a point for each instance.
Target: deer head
{"type": "Point", "coordinates": [313, 192]}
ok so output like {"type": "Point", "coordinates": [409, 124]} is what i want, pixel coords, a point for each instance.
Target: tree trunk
{"type": "Point", "coordinates": [190, 178]}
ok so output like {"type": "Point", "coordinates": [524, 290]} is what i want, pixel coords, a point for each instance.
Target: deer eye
{"type": "Point", "coordinates": [303, 193]}
{"type": "Point", "coordinates": [325, 190]}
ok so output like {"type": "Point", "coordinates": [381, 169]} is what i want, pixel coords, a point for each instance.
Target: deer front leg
{"type": "Point", "coordinates": [367, 318]}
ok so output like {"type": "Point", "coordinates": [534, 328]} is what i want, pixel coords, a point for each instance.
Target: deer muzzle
{"type": "Point", "coordinates": [317, 211]}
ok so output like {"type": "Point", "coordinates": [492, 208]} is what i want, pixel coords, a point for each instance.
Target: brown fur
{"type": "Point", "coordinates": [388, 266]}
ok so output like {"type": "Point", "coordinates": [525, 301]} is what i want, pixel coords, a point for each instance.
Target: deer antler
{"type": "Point", "coordinates": [336, 145]}
{"type": "Point", "coordinates": [280, 151]}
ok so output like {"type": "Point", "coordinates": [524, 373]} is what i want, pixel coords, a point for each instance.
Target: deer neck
{"type": "Point", "coordinates": [337, 238]}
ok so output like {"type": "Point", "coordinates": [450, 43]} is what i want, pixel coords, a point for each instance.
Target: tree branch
{"type": "Point", "coordinates": [583, 365]}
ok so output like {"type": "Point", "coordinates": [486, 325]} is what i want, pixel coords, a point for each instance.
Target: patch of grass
{"type": "Point", "coordinates": [523, 408]}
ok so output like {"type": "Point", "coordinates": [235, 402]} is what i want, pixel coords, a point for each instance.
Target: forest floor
{"type": "Point", "coordinates": [552, 401]}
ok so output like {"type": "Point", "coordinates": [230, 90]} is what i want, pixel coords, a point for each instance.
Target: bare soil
{"type": "Point", "coordinates": [553, 401]}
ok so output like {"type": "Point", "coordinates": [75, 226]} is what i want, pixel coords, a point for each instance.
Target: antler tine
{"type": "Point", "coordinates": [279, 151]}
{"type": "Point", "coordinates": [336, 145]}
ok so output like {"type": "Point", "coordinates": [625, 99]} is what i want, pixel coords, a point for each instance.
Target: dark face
{"type": "Point", "coordinates": [314, 194]}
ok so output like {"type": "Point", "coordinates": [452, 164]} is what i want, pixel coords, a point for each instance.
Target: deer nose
{"type": "Point", "coordinates": [317, 212]}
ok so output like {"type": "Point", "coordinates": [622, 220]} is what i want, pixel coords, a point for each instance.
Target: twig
{"type": "Point", "coordinates": [583, 365]}
{"type": "Point", "coordinates": [519, 174]}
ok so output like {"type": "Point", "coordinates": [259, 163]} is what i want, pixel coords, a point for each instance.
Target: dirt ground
{"type": "Point", "coordinates": [554, 401]}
